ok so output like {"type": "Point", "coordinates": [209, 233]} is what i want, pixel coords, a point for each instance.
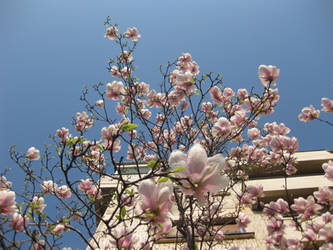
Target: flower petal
{"type": "Point", "coordinates": [196, 160]}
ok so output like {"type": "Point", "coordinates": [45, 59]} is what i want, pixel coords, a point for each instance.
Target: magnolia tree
{"type": "Point", "coordinates": [200, 140]}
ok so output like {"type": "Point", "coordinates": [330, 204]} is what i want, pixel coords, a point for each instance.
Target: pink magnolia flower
{"type": "Point", "coordinates": [63, 134]}
{"type": "Point", "coordinates": [94, 192]}
{"type": "Point", "coordinates": [112, 145]}
{"type": "Point", "coordinates": [256, 190]}
{"type": "Point", "coordinates": [327, 233]}
{"type": "Point", "coordinates": [228, 93]}
{"type": "Point", "coordinates": [310, 235]}
{"type": "Point", "coordinates": [85, 185]}
{"type": "Point", "coordinates": [221, 128]}
{"type": "Point", "coordinates": [145, 113]}
{"type": "Point", "coordinates": [175, 97]}
{"type": "Point", "coordinates": [194, 68]}
{"type": "Point", "coordinates": [281, 143]}
{"type": "Point", "coordinates": [275, 226]}
{"type": "Point", "coordinates": [115, 71]}
{"type": "Point", "coordinates": [268, 74]}
{"type": "Point", "coordinates": [204, 174]}
{"type": "Point", "coordinates": [253, 133]}
{"type": "Point", "coordinates": [156, 201]}
{"type": "Point", "coordinates": [111, 33]}
{"type": "Point", "coordinates": [64, 192]}
{"type": "Point", "coordinates": [185, 58]}
{"type": "Point", "coordinates": [121, 108]}
{"type": "Point", "coordinates": [108, 133]}
{"type": "Point", "coordinates": [206, 107]}
{"type": "Point", "coordinates": [49, 187]}
{"type": "Point", "coordinates": [327, 104]}
{"type": "Point", "coordinates": [308, 114]}
{"type": "Point", "coordinates": [324, 195]}
{"type": "Point", "coordinates": [242, 94]}
{"type": "Point", "coordinates": [7, 202]}
{"type": "Point", "coordinates": [156, 99]}
{"type": "Point", "coordinates": [126, 57]}
{"type": "Point", "coordinates": [18, 222]}
{"type": "Point", "coordinates": [59, 229]}
{"type": "Point", "coordinates": [238, 118]}
{"type": "Point", "coordinates": [174, 75]}
{"type": "Point", "coordinates": [82, 121]}
{"type": "Point", "coordinates": [216, 95]}
{"type": "Point", "coordinates": [327, 217]}
{"type": "Point", "coordinates": [33, 154]}
{"type": "Point", "coordinates": [100, 103]}
{"type": "Point", "coordinates": [278, 207]}
{"type": "Point", "coordinates": [276, 129]}
{"type": "Point", "coordinates": [328, 168]}
{"type": "Point", "coordinates": [114, 90]}
{"type": "Point", "coordinates": [123, 238]}
{"type": "Point", "coordinates": [142, 88]}
{"type": "Point", "coordinates": [38, 203]}
{"type": "Point", "coordinates": [185, 82]}
{"type": "Point", "coordinates": [306, 208]}
{"type": "Point", "coordinates": [243, 220]}
{"type": "Point", "coordinates": [132, 33]}
{"type": "Point", "coordinates": [4, 184]}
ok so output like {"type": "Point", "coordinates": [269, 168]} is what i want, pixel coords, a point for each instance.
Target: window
{"type": "Point", "coordinates": [227, 225]}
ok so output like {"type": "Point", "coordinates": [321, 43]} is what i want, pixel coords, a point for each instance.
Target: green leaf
{"type": "Point", "coordinates": [151, 164]}
{"type": "Point", "coordinates": [162, 179]}
{"type": "Point", "coordinates": [150, 214]}
{"type": "Point", "coordinates": [123, 212]}
{"type": "Point", "coordinates": [129, 126]}
{"type": "Point", "coordinates": [177, 169]}
{"type": "Point", "coordinates": [160, 225]}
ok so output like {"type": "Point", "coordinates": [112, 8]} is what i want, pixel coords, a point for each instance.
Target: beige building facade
{"type": "Point", "coordinates": [309, 178]}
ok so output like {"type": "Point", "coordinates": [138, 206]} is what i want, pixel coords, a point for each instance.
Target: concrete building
{"type": "Point", "coordinates": [308, 178]}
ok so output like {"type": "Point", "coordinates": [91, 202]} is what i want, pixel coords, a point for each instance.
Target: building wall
{"type": "Point", "coordinates": [309, 178]}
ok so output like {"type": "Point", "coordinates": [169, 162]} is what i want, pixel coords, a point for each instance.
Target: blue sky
{"type": "Point", "coordinates": [50, 49]}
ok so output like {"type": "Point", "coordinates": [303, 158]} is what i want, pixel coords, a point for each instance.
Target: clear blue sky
{"type": "Point", "coordinates": [49, 49]}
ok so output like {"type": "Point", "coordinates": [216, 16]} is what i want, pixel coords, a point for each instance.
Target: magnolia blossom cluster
{"type": "Point", "coordinates": [272, 148]}
{"type": "Point", "coordinates": [94, 158]}
{"type": "Point", "coordinates": [183, 78]}
{"type": "Point", "coordinates": [310, 113]}
{"type": "Point", "coordinates": [82, 121]}
{"type": "Point", "coordinates": [49, 187]}
{"type": "Point", "coordinates": [252, 194]}
{"type": "Point", "coordinates": [89, 188]}
{"type": "Point", "coordinates": [38, 203]}
{"type": "Point", "coordinates": [123, 238]}
{"type": "Point", "coordinates": [4, 184]}
{"type": "Point", "coordinates": [8, 206]}
{"type": "Point", "coordinates": [109, 135]}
